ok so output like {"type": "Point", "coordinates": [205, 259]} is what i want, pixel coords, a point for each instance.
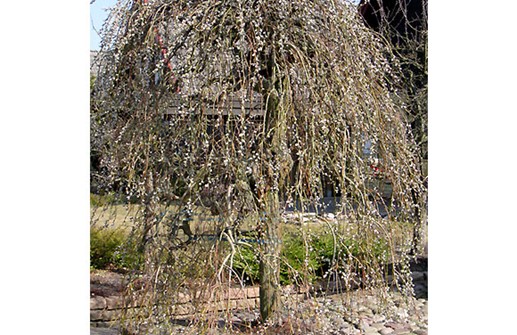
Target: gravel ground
{"type": "Point", "coordinates": [359, 312]}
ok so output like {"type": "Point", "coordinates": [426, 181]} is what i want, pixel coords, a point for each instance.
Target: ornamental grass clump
{"type": "Point", "coordinates": [227, 120]}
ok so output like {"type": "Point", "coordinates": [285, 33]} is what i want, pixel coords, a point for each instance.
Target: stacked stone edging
{"type": "Point", "coordinates": [356, 314]}
{"type": "Point", "coordinates": [105, 310]}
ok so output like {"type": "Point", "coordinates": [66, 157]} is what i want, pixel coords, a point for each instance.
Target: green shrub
{"type": "Point", "coordinates": [295, 255]}
{"type": "Point", "coordinates": [377, 250]}
{"type": "Point", "coordinates": [292, 267]}
{"type": "Point", "coordinates": [324, 253]}
{"type": "Point", "coordinates": [111, 249]}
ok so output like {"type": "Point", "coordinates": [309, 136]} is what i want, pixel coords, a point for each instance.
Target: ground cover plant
{"type": "Point", "coordinates": [224, 122]}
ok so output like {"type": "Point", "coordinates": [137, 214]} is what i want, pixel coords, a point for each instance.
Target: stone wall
{"type": "Point", "coordinates": [105, 310]}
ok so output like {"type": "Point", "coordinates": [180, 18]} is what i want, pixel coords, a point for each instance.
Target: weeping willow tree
{"type": "Point", "coordinates": [404, 25]}
{"type": "Point", "coordinates": [243, 113]}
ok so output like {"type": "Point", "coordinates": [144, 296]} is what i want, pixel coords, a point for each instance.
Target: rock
{"type": "Point", "coordinates": [104, 315]}
{"type": "Point", "coordinates": [394, 325]}
{"type": "Point", "coordinates": [402, 313]}
{"type": "Point", "coordinates": [98, 302]}
{"type": "Point", "coordinates": [420, 290]}
{"type": "Point", "coordinates": [104, 331]}
{"type": "Point", "coordinates": [419, 304]}
{"type": "Point", "coordinates": [246, 315]}
{"type": "Point", "coordinates": [417, 276]}
{"type": "Point", "coordinates": [378, 318]}
{"type": "Point", "coordinates": [183, 298]}
{"type": "Point", "coordinates": [363, 324]}
{"type": "Point", "coordinates": [371, 330]}
{"type": "Point", "coordinates": [115, 302]}
{"type": "Point", "coordinates": [386, 331]}
{"type": "Point", "coordinates": [338, 322]}
{"type": "Point", "coordinates": [96, 315]}
{"type": "Point", "coordinates": [377, 325]}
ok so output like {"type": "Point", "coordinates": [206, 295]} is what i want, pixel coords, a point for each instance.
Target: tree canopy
{"type": "Point", "coordinates": [250, 108]}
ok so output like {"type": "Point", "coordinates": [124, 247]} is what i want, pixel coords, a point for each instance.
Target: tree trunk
{"type": "Point", "coordinates": [269, 268]}
{"type": "Point", "coordinates": [269, 271]}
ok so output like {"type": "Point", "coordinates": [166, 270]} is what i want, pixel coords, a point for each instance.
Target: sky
{"type": "Point", "coordinates": [98, 13]}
